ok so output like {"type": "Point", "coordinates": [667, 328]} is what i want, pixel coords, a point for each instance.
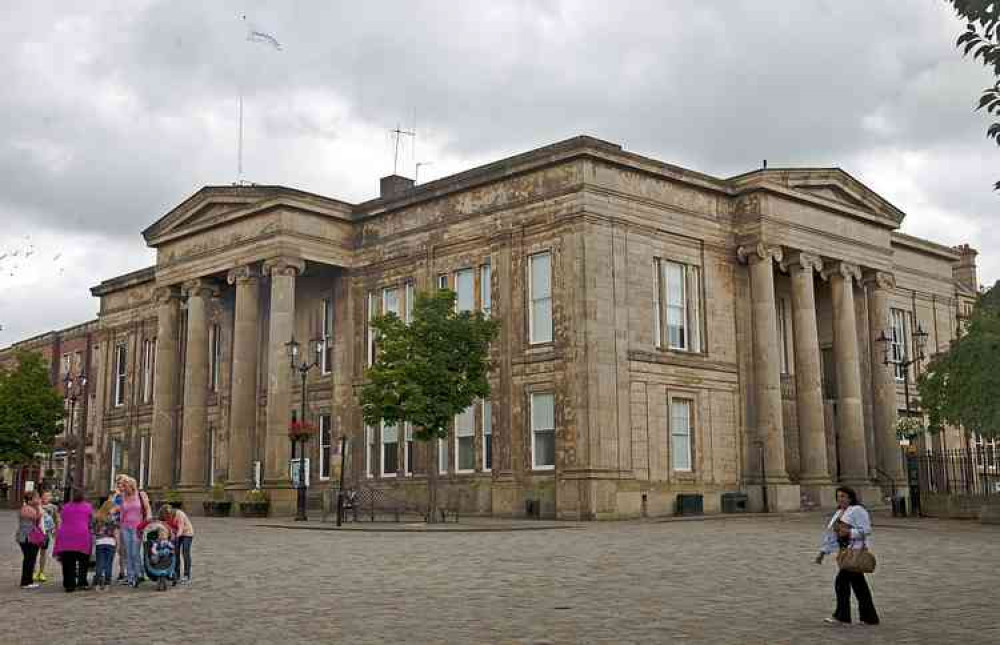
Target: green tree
{"type": "Point", "coordinates": [981, 39]}
{"type": "Point", "coordinates": [428, 371]}
{"type": "Point", "coordinates": [31, 410]}
{"type": "Point", "coordinates": [961, 387]}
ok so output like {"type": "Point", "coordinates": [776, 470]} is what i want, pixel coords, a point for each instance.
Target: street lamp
{"type": "Point", "coordinates": [904, 362]}
{"type": "Point", "coordinates": [73, 390]}
{"type": "Point", "coordinates": [303, 367]}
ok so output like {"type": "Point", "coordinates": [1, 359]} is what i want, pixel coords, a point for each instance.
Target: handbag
{"type": "Point", "coordinates": [856, 560]}
{"type": "Point", "coordinates": [36, 536]}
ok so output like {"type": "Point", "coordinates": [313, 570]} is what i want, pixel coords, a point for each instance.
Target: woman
{"type": "Point", "coordinates": [184, 530]}
{"type": "Point", "coordinates": [849, 528]}
{"type": "Point", "coordinates": [29, 518]}
{"type": "Point", "coordinates": [133, 510]}
{"type": "Point", "coordinates": [50, 522]}
{"type": "Point", "coordinates": [73, 542]}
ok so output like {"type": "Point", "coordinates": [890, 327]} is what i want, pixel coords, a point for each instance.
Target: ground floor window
{"type": "Point", "coordinates": [370, 450]}
{"type": "Point", "coordinates": [680, 434]}
{"type": "Point", "coordinates": [145, 444]}
{"type": "Point", "coordinates": [442, 456]}
{"type": "Point", "coordinates": [390, 450]}
{"type": "Point", "coordinates": [487, 436]}
{"type": "Point", "coordinates": [116, 461]}
{"type": "Point", "coordinates": [543, 431]}
{"type": "Point", "coordinates": [408, 454]}
{"type": "Point", "coordinates": [465, 440]}
{"type": "Point", "coordinates": [325, 439]}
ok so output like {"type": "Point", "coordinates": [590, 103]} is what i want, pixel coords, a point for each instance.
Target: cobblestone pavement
{"type": "Point", "coordinates": [741, 580]}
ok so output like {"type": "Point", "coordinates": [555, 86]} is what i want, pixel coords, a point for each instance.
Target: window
{"type": "Point", "coordinates": [211, 456]}
{"type": "Point", "coordinates": [442, 456]}
{"type": "Point", "coordinates": [900, 338]}
{"type": "Point", "coordinates": [325, 439]}
{"type": "Point", "coordinates": [487, 436]}
{"type": "Point", "coordinates": [116, 461]}
{"type": "Point", "coordinates": [540, 298]}
{"type": "Point", "coordinates": [485, 290]}
{"type": "Point", "coordinates": [215, 357]}
{"type": "Point", "coordinates": [680, 434]}
{"type": "Point", "coordinates": [781, 306]}
{"type": "Point", "coordinates": [443, 281]}
{"type": "Point", "coordinates": [465, 440]}
{"type": "Point", "coordinates": [677, 320]}
{"type": "Point", "coordinates": [370, 449]}
{"type": "Point", "coordinates": [78, 362]}
{"type": "Point", "coordinates": [144, 460]}
{"type": "Point", "coordinates": [148, 361]}
{"type": "Point", "coordinates": [390, 450]}
{"type": "Point", "coordinates": [326, 358]}
{"type": "Point", "coordinates": [372, 312]}
{"type": "Point", "coordinates": [121, 356]}
{"type": "Point", "coordinates": [64, 365]}
{"type": "Point", "coordinates": [390, 300]}
{"type": "Point", "coordinates": [409, 296]}
{"type": "Point", "coordinates": [408, 454]}
{"type": "Point", "coordinates": [543, 431]}
{"type": "Point", "coordinates": [465, 289]}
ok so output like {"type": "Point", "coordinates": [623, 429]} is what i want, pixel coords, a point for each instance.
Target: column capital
{"type": "Point", "coordinates": [287, 266]}
{"type": "Point", "coordinates": [843, 269]}
{"type": "Point", "coordinates": [243, 274]}
{"type": "Point", "coordinates": [802, 261]}
{"type": "Point", "coordinates": [759, 252]}
{"type": "Point", "coordinates": [165, 294]}
{"type": "Point", "coordinates": [880, 279]}
{"type": "Point", "coordinates": [200, 287]}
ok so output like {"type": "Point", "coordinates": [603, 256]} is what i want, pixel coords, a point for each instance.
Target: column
{"type": "Point", "coordinates": [883, 380]}
{"type": "Point", "coordinates": [243, 404]}
{"type": "Point", "coordinates": [161, 473]}
{"type": "Point", "coordinates": [850, 415]}
{"type": "Point", "coordinates": [194, 447]}
{"type": "Point", "coordinates": [808, 371]}
{"type": "Point", "coordinates": [283, 272]}
{"type": "Point", "coordinates": [766, 360]}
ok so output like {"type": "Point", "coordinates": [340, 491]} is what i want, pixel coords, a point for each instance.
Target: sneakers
{"type": "Point", "coordinates": [830, 620]}
{"type": "Point", "coordinates": [186, 580]}
{"type": "Point", "coordinates": [161, 584]}
{"type": "Point", "coordinates": [33, 585]}
{"type": "Point", "coordinates": [40, 577]}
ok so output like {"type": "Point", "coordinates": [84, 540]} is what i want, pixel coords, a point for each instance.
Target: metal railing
{"type": "Point", "coordinates": [975, 471]}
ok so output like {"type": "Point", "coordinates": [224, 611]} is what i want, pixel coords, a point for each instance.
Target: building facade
{"type": "Point", "coordinates": [663, 332]}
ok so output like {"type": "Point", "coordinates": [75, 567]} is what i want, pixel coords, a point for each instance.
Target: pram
{"type": "Point", "coordinates": [162, 567]}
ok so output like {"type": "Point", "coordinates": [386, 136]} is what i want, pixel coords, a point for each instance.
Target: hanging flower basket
{"type": "Point", "coordinates": [300, 430]}
{"type": "Point", "coordinates": [909, 428]}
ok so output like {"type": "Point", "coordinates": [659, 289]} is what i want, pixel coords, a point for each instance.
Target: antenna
{"type": "Point", "coordinates": [395, 157]}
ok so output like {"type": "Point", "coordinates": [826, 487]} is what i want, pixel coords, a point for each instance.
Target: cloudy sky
{"type": "Point", "coordinates": [111, 113]}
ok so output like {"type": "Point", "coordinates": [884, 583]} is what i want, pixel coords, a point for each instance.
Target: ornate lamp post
{"type": "Point", "coordinates": [73, 390]}
{"type": "Point", "coordinates": [904, 361]}
{"type": "Point", "coordinates": [303, 367]}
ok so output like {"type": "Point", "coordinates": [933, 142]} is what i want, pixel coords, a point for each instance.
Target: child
{"type": "Point", "coordinates": [160, 554]}
{"type": "Point", "coordinates": [50, 522]}
{"type": "Point", "coordinates": [105, 531]}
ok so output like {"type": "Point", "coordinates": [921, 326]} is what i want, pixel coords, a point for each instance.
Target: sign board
{"type": "Point", "coordinates": [293, 471]}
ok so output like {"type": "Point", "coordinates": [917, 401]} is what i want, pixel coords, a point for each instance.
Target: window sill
{"type": "Point", "coordinates": [543, 469]}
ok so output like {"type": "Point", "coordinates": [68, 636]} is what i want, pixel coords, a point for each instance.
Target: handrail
{"type": "Point", "coordinates": [884, 475]}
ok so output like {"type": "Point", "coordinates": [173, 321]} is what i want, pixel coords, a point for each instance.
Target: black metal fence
{"type": "Point", "coordinates": [975, 471]}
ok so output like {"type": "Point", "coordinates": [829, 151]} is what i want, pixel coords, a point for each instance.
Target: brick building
{"type": "Point", "coordinates": [663, 332]}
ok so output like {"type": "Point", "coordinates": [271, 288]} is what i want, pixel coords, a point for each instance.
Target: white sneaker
{"type": "Point", "coordinates": [830, 620]}
{"type": "Point", "coordinates": [33, 585]}
{"type": "Point", "coordinates": [186, 580]}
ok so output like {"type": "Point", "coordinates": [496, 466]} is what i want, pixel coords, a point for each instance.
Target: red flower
{"type": "Point", "coordinates": [300, 430]}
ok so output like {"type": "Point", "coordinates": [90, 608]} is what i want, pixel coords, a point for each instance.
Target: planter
{"type": "Point", "coordinates": [254, 509]}
{"type": "Point", "coordinates": [217, 508]}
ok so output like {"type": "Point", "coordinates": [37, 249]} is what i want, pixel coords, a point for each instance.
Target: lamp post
{"type": "Point", "coordinates": [303, 367]}
{"type": "Point", "coordinates": [904, 361]}
{"type": "Point", "coordinates": [73, 390]}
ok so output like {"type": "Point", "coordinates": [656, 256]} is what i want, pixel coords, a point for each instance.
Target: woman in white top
{"type": "Point", "coordinates": [849, 528]}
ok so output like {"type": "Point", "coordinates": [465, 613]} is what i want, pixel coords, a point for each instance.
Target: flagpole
{"type": "Point", "coordinates": [239, 143]}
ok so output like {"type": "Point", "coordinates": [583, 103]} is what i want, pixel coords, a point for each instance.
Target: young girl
{"type": "Point", "coordinates": [105, 532]}
{"type": "Point", "coordinates": [50, 522]}
{"type": "Point", "coordinates": [161, 553]}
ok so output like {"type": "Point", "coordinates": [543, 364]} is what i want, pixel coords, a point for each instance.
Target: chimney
{"type": "Point", "coordinates": [393, 186]}
{"type": "Point", "coordinates": [964, 272]}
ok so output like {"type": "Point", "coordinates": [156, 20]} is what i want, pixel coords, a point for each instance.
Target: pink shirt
{"type": "Point", "coordinates": [132, 513]}
{"type": "Point", "coordinates": [74, 531]}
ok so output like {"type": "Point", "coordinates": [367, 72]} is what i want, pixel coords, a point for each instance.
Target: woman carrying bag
{"type": "Point", "coordinates": [30, 537]}
{"type": "Point", "coordinates": [848, 534]}
{"type": "Point", "coordinates": [74, 541]}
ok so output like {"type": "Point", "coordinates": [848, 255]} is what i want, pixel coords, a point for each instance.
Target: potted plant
{"type": "Point", "coordinates": [219, 504]}
{"type": "Point", "coordinates": [173, 498]}
{"type": "Point", "coordinates": [255, 504]}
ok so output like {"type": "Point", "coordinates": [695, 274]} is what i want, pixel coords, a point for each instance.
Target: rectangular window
{"type": "Point", "coordinates": [326, 358]}
{"type": "Point", "coordinates": [487, 436]}
{"type": "Point", "coordinates": [900, 340]}
{"type": "Point", "coordinates": [211, 456]}
{"type": "Point", "coordinates": [370, 450]}
{"type": "Point", "coordinates": [144, 460]}
{"type": "Point", "coordinates": [543, 431]}
{"type": "Point", "coordinates": [465, 440]}
{"type": "Point", "coordinates": [680, 434]}
{"type": "Point", "coordinates": [485, 290]}
{"type": "Point", "coordinates": [465, 289]}
{"type": "Point", "coordinates": [540, 298]}
{"type": "Point", "coordinates": [65, 365]}
{"type": "Point", "coordinates": [390, 450]}
{"type": "Point", "coordinates": [782, 308]}
{"type": "Point", "coordinates": [372, 313]}
{"type": "Point", "coordinates": [443, 281]}
{"type": "Point", "coordinates": [148, 366]}
{"type": "Point", "coordinates": [408, 454]}
{"type": "Point", "coordinates": [442, 457]}
{"type": "Point", "coordinates": [116, 460]}
{"type": "Point", "coordinates": [409, 298]}
{"type": "Point", "coordinates": [390, 301]}
{"type": "Point", "coordinates": [215, 357]}
{"type": "Point", "coordinates": [121, 358]}
{"type": "Point", "coordinates": [325, 440]}
{"type": "Point", "coordinates": [677, 323]}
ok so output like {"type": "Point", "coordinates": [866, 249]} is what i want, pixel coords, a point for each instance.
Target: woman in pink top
{"type": "Point", "coordinates": [134, 508]}
{"type": "Point", "coordinates": [73, 542]}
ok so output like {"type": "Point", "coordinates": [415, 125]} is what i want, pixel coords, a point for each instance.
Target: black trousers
{"type": "Point", "coordinates": [30, 552]}
{"type": "Point", "coordinates": [74, 567]}
{"type": "Point", "coordinates": [847, 580]}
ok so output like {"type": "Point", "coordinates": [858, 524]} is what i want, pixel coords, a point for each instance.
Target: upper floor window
{"type": "Point", "coordinates": [465, 290]}
{"type": "Point", "coordinates": [540, 298]}
{"type": "Point", "coordinates": [215, 357]}
{"type": "Point", "coordinates": [899, 347]}
{"type": "Point", "coordinates": [409, 297]}
{"type": "Point", "coordinates": [677, 320]}
{"type": "Point", "coordinates": [372, 313]}
{"type": "Point", "coordinates": [64, 365]}
{"type": "Point", "coordinates": [326, 358]}
{"type": "Point", "coordinates": [121, 360]}
{"type": "Point", "coordinates": [485, 290]}
{"type": "Point", "coordinates": [148, 366]}
{"type": "Point", "coordinates": [390, 301]}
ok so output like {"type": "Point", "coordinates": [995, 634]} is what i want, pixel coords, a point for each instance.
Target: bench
{"type": "Point", "coordinates": [366, 501]}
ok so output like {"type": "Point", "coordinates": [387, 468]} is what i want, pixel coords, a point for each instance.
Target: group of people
{"type": "Point", "coordinates": [148, 548]}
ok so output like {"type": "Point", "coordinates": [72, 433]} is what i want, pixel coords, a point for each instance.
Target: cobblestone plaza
{"type": "Point", "coordinates": [741, 580]}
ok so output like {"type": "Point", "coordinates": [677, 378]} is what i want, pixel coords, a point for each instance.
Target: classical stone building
{"type": "Point", "coordinates": [663, 332]}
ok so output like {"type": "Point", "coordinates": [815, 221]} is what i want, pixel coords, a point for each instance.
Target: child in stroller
{"type": "Point", "coordinates": [158, 554]}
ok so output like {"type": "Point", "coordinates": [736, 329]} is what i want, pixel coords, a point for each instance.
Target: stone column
{"type": "Point", "coordinates": [883, 380]}
{"type": "Point", "coordinates": [194, 447]}
{"type": "Point", "coordinates": [815, 472]}
{"type": "Point", "coordinates": [243, 404]}
{"type": "Point", "coordinates": [766, 373]}
{"type": "Point", "coordinates": [850, 415]}
{"type": "Point", "coordinates": [161, 472]}
{"type": "Point", "coordinates": [283, 272]}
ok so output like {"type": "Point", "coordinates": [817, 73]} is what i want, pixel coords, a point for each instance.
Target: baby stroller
{"type": "Point", "coordinates": [159, 567]}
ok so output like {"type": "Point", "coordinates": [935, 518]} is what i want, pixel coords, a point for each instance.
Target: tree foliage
{"type": "Point", "coordinates": [961, 387]}
{"type": "Point", "coordinates": [981, 40]}
{"type": "Point", "coordinates": [31, 410]}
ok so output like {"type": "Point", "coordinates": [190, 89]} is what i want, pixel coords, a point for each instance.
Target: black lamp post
{"type": "Point", "coordinates": [919, 342]}
{"type": "Point", "coordinates": [73, 390]}
{"type": "Point", "coordinates": [303, 368]}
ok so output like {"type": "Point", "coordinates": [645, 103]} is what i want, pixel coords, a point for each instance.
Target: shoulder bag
{"type": "Point", "coordinates": [856, 560]}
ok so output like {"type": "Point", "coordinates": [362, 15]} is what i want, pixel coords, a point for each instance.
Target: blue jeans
{"type": "Point", "coordinates": [133, 554]}
{"type": "Point", "coordinates": [105, 557]}
{"type": "Point", "coordinates": [184, 552]}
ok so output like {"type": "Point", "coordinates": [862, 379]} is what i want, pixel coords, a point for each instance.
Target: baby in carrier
{"type": "Point", "coordinates": [161, 557]}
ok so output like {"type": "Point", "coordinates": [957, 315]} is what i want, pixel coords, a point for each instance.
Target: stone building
{"type": "Point", "coordinates": [664, 332]}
